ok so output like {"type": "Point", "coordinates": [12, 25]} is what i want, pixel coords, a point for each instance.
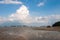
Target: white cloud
{"type": "Point", "coordinates": [56, 16]}
{"type": "Point", "coordinates": [40, 4]}
{"type": "Point", "coordinates": [10, 2]}
{"type": "Point", "coordinates": [22, 14]}
{"type": "Point", "coordinates": [2, 20]}
{"type": "Point", "coordinates": [41, 19]}
{"type": "Point", "coordinates": [46, 20]}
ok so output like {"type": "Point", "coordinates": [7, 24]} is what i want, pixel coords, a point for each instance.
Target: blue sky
{"type": "Point", "coordinates": [49, 7]}
{"type": "Point", "coordinates": [40, 9]}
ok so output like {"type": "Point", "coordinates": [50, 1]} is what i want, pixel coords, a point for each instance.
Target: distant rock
{"type": "Point", "coordinates": [56, 24]}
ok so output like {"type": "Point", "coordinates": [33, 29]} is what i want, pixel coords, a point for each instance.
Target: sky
{"type": "Point", "coordinates": [29, 12]}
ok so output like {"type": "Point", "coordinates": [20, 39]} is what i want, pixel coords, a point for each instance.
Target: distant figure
{"type": "Point", "coordinates": [48, 26]}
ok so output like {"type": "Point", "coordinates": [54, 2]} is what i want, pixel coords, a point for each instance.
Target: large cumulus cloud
{"type": "Point", "coordinates": [22, 15]}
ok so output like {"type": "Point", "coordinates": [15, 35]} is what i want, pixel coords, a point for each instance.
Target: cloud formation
{"type": "Point", "coordinates": [40, 4]}
{"type": "Point", "coordinates": [22, 15]}
{"type": "Point", "coordinates": [10, 2]}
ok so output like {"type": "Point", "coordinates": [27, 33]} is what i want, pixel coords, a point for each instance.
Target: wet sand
{"type": "Point", "coordinates": [16, 33]}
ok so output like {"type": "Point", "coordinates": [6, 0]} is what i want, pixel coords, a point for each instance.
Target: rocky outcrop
{"type": "Point", "coordinates": [56, 24]}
